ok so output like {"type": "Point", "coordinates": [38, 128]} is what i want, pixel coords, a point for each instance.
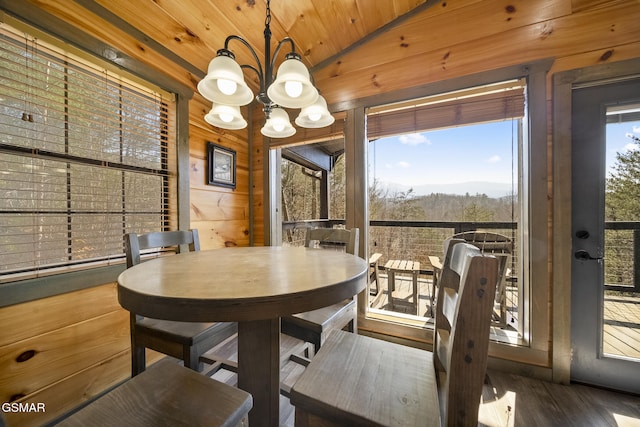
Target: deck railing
{"type": "Point", "coordinates": [417, 240]}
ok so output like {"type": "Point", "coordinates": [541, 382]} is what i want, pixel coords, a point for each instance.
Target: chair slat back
{"type": "Point", "coordinates": [177, 241]}
{"type": "Point", "coordinates": [461, 334]}
{"type": "Point", "coordinates": [334, 237]}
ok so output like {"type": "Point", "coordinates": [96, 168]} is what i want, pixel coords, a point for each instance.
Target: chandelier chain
{"type": "Point", "coordinates": [267, 20]}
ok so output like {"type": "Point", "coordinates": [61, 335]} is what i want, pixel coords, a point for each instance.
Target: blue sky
{"type": "Point", "coordinates": [466, 154]}
{"type": "Point", "coordinates": [618, 139]}
{"type": "Point", "coordinates": [452, 155]}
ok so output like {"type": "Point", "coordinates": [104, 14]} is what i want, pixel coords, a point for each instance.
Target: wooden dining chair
{"type": "Point", "coordinates": [166, 395]}
{"type": "Point", "coordinates": [362, 381]}
{"type": "Point", "coordinates": [501, 247]}
{"type": "Point", "coordinates": [183, 340]}
{"type": "Point", "coordinates": [314, 326]}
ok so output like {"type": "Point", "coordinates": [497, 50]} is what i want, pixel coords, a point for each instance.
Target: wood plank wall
{"type": "Point", "coordinates": [64, 349]}
{"type": "Point", "coordinates": [220, 214]}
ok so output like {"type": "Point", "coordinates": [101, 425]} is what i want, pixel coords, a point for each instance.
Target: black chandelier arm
{"type": "Point", "coordinates": [253, 53]}
{"type": "Point", "coordinates": [257, 71]}
{"type": "Point", "coordinates": [251, 67]}
{"type": "Point", "coordinates": [275, 53]}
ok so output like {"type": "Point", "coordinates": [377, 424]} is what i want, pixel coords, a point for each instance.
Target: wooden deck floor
{"type": "Point", "coordinates": [621, 323]}
{"type": "Point", "coordinates": [507, 400]}
{"type": "Point", "coordinates": [403, 298]}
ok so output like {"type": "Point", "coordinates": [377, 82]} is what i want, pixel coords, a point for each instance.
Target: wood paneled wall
{"type": "Point", "coordinates": [220, 214]}
{"type": "Point", "coordinates": [63, 350]}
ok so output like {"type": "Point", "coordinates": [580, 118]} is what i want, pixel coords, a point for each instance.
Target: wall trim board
{"type": "Point", "coordinates": [41, 287]}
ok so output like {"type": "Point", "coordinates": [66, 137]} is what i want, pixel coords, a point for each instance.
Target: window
{"type": "Point", "coordinates": [442, 165]}
{"type": "Point", "coordinates": [86, 155]}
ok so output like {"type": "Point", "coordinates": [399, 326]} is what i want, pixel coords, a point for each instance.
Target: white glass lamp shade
{"type": "Point", "coordinates": [292, 87]}
{"type": "Point", "coordinates": [226, 117]}
{"type": "Point", "coordinates": [278, 125]}
{"type": "Point", "coordinates": [315, 115]}
{"type": "Point", "coordinates": [224, 83]}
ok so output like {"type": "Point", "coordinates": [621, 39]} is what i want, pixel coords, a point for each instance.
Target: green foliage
{"type": "Point", "coordinates": [623, 188]}
{"type": "Point", "coordinates": [622, 204]}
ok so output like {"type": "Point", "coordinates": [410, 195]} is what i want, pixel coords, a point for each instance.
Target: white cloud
{"type": "Point", "coordinates": [403, 165]}
{"type": "Point", "coordinates": [494, 159]}
{"type": "Point", "coordinates": [636, 129]}
{"type": "Point", "coordinates": [631, 147]}
{"type": "Point", "coordinates": [414, 139]}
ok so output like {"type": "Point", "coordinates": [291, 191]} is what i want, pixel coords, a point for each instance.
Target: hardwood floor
{"type": "Point", "coordinates": [507, 400]}
{"type": "Point", "coordinates": [514, 400]}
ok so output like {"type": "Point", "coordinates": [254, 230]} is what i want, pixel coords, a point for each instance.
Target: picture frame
{"type": "Point", "coordinates": [221, 166]}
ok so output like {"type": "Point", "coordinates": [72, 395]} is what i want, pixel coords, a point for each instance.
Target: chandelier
{"type": "Point", "coordinates": [225, 87]}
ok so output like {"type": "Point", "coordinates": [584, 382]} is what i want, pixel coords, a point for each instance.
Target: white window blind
{"type": "Point", "coordinates": [85, 157]}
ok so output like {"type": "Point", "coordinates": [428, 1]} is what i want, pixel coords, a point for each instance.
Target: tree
{"type": "Point", "coordinates": [622, 204]}
{"type": "Point", "coordinates": [475, 212]}
{"type": "Point", "coordinates": [623, 187]}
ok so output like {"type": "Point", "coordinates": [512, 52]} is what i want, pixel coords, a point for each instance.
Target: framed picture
{"type": "Point", "coordinates": [221, 166]}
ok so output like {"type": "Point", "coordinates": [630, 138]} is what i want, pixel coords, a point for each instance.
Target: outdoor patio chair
{"type": "Point", "coordinates": [502, 248]}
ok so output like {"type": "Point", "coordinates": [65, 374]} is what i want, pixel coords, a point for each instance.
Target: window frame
{"type": "Point", "coordinates": [537, 349]}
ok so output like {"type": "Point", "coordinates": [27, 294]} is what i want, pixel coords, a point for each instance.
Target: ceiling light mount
{"type": "Point", "coordinates": [293, 87]}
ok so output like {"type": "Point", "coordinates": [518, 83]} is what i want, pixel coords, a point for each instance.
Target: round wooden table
{"type": "Point", "coordinates": [253, 286]}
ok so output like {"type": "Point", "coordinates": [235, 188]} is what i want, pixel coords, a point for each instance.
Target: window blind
{"type": "Point", "coordinates": [500, 101]}
{"type": "Point", "coordinates": [85, 157]}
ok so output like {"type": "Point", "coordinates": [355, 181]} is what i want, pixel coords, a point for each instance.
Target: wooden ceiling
{"type": "Point", "coordinates": [356, 49]}
{"type": "Point", "coordinates": [193, 30]}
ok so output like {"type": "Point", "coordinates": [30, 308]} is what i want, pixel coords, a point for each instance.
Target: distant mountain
{"type": "Point", "coordinates": [491, 189]}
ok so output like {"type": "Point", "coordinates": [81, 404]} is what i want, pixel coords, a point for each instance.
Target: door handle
{"type": "Point", "coordinates": [585, 256]}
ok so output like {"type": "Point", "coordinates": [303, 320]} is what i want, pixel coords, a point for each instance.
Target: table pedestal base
{"type": "Point", "coordinates": [259, 369]}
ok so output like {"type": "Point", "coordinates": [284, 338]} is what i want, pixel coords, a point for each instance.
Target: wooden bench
{"type": "Point", "coordinates": [394, 266]}
{"type": "Point", "coordinates": [166, 394]}
{"type": "Point", "coordinates": [361, 381]}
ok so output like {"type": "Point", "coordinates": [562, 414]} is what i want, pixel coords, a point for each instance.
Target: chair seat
{"type": "Point", "coordinates": [314, 326]}
{"type": "Point", "coordinates": [321, 319]}
{"type": "Point", "coordinates": [166, 395]}
{"type": "Point", "coordinates": [182, 340]}
{"type": "Point", "coordinates": [185, 333]}
{"type": "Point", "coordinates": [341, 385]}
